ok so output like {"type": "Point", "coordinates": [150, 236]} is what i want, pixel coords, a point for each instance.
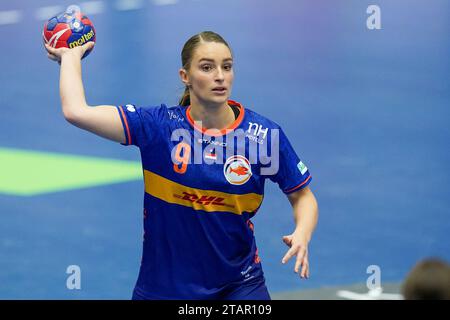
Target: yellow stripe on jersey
{"type": "Point", "coordinates": [199, 199]}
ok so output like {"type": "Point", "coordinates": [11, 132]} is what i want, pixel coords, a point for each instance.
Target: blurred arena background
{"type": "Point", "coordinates": [367, 110]}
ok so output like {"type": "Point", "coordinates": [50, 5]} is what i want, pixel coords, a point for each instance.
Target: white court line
{"type": "Point", "coordinates": [10, 17]}
{"type": "Point", "coordinates": [368, 296]}
{"type": "Point", "coordinates": [124, 5]}
{"type": "Point", "coordinates": [164, 2]}
{"type": "Point", "coordinates": [92, 7]}
{"type": "Point", "coordinates": [46, 13]}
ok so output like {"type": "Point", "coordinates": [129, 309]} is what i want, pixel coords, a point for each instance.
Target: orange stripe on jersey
{"type": "Point", "coordinates": [221, 132]}
{"type": "Point", "coordinates": [298, 186]}
{"type": "Point", "coordinates": [126, 124]}
{"type": "Point", "coordinates": [199, 199]}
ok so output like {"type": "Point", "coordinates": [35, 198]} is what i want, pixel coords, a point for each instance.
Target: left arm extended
{"type": "Point", "coordinates": [306, 214]}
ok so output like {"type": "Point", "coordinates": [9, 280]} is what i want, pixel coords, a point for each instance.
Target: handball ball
{"type": "Point", "coordinates": [69, 30]}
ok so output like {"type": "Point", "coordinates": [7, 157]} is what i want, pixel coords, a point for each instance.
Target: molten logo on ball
{"type": "Point", "coordinates": [84, 38]}
{"type": "Point", "coordinates": [69, 30]}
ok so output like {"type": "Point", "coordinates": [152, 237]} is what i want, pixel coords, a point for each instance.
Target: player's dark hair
{"type": "Point", "coordinates": [188, 52]}
{"type": "Point", "coordinates": [428, 280]}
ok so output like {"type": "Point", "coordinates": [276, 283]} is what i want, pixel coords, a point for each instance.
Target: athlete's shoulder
{"type": "Point", "coordinates": [157, 112]}
{"type": "Point", "coordinates": [153, 109]}
{"type": "Point", "coordinates": [176, 112]}
{"type": "Point", "coordinates": [255, 117]}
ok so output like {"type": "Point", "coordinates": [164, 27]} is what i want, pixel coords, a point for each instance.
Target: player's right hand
{"type": "Point", "coordinates": [56, 54]}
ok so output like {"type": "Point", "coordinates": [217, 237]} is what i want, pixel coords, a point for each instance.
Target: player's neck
{"type": "Point", "coordinates": [212, 116]}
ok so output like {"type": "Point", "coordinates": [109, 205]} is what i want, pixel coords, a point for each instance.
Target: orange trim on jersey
{"type": "Point", "coordinates": [298, 186]}
{"type": "Point", "coordinates": [126, 124]}
{"type": "Point", "coordinates": [199, 199]}
{"type": "Point", "coordinates": [222, 132]}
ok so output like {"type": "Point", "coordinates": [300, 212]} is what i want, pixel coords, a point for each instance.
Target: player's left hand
{"type": "Point", "coordinates": [298, 247]}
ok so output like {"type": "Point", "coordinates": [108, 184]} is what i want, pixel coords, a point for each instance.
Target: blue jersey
{"type": "Point", "coordinates": [202, 188]}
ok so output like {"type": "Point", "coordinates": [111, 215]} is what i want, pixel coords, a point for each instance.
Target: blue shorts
{"type": "Point", "coordinates": [251, 290]}
{"type": "Point", "coordinates": [254, 289]}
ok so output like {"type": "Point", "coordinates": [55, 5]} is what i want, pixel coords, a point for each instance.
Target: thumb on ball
{"type": "Point", "coordinates": [89, 45]}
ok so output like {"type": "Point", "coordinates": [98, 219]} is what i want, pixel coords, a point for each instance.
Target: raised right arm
{"type": "Point", "coordinates": [103, 120]}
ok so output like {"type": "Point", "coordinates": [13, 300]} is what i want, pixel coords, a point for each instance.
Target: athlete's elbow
{"type": "Point", "coordinates": [73, 115]}
{"type": "Point", "coordinates": [69, 116]}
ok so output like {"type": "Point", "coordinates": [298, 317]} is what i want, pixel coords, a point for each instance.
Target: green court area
{"type": "Point", "coordinates": [29, 173]}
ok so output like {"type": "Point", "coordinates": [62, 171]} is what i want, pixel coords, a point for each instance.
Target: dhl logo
{"type": "Point", "coordinates": [84, 38]}
{"type": "Point", "coordinates": [203, 199]}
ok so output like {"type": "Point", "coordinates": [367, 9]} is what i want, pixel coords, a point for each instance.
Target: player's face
{"type": "Point", "coordinates": [210, 75]}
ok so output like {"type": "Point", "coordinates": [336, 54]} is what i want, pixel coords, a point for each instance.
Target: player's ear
{"type": "Point", "coordinates": [184, 76]}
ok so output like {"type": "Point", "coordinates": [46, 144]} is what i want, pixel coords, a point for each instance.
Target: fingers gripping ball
{"type": "Point", "coordinates": [69, 30]}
